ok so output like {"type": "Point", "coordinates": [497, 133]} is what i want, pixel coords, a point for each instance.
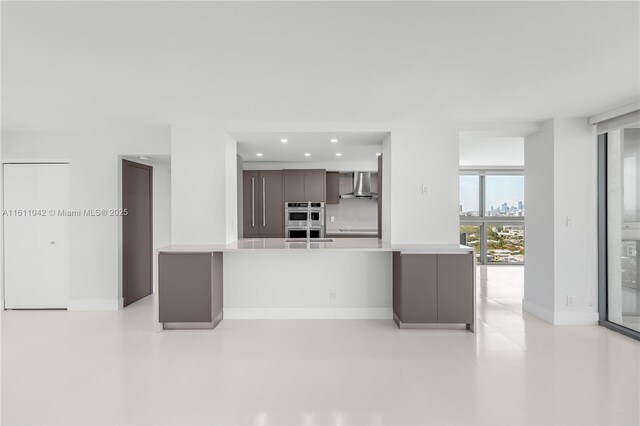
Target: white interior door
{"type": "Point", "coordinates": [36, 242]}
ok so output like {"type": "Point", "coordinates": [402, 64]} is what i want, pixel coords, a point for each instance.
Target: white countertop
{"type": "Point", "coordinates": [349, 244]}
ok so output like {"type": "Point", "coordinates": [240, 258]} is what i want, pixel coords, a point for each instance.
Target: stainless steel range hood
{"type": "Point", "coordinates": [361, 186]}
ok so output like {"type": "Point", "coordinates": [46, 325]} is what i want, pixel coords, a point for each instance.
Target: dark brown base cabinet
{"type": "Point", "coordinates": [190, 290]}
{"type": "Point", "coordinates": [434, 290]}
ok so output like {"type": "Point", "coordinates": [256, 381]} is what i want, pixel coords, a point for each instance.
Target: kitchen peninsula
{"type": "Point", "coordinates": [416, 285]}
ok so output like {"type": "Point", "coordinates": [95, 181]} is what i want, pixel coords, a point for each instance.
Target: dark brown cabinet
{"type": "Point", "coordinates": [263, 203]}
{"type": "Point", "coordinates": [455, 288]}
{"type": "Point", "coordinates": [419, 289]}
{"type": "Point", "coordinates": [333, 188]}
{"type": "Point", "coordinates": [433, 289]}
{"type": "Point", "coordinates": [304, 185]}
{"type": "Point", "coordinates": [294, 185]}
{"type": "Point", "coordinates": [190, 289]}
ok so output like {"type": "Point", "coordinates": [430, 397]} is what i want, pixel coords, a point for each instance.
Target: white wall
{"type": "Point", "coordinates": [492, 152]}
{"type": "Point", "coordinates": [203, 185]}
{"type": "Point", "coordinates": [307, 284]}
{"type": "Point", "coordinates": [231, 186]}
{"type": "Point", "coordinates": [561, 222]}
{"type": "Point", "coordinates": [239, 213]}
{"type": "Point", "coordinates": [94, 184]}
{"type": "Point", "coordinates": [413, 155]}
{"type": "Point", "coordinates": [424, 155]}
{"type": "Point", "coordinates": [161, 211]}
{"type": "Point", "coordinates": [575, 196]}
{"type": "Point", "coordinates": [539, 219]}
{"type": "Point", "coordinates": [387, 196]}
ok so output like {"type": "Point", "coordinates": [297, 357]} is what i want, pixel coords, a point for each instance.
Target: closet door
{"type": "Point", "coordinates": [36, 236]}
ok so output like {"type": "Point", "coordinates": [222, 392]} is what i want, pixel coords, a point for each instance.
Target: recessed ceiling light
{"type": "Point", "coordinates": [378, 154]}
{"type": "Point", "coordinates": [284, 140]}
{"type": "Point", "coordinates": [306, 154]}
{"type": "Point", "coordinates": [338, 154]}
{"type": "Point", "coordinates": [334, 140]}
{"type": "Point", "coordinates": [259, 154]}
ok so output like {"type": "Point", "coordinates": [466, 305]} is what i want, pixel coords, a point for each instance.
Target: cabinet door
{"type": "Point", "coordinates": [314, 185]}
{"type": "Point", "coordinates": [419, 288]}
{"type": "Point", "coordinates": [333, 187]}
{"type": "Point", "coordinates": [184, 287]}
{"type": "Point", "coordinates": [346, 183]}
{"type": "Point", "coordinates": [294, 185]}
{"type": "Point", "coordinates": [272, 203]}
{"type": "Point", "coordinates": [250, 204]}
{"type": "Point", "coordinates": [455, 288]}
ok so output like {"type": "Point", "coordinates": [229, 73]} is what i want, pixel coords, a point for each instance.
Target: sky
{"type": "Point", "coordinates": [499, 189]}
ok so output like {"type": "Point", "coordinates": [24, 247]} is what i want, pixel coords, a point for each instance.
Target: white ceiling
{"type": "Point", "coordinates": [78, 64]}
{"type": "Point", "coordinates": [354, 146]}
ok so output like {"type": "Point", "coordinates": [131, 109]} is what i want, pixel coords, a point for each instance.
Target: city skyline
{"type": "Point", "coordinates": [498, 190]}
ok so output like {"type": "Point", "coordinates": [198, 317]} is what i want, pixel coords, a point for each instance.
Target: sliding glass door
{"type": "Point", "coordinates": [620, 228]}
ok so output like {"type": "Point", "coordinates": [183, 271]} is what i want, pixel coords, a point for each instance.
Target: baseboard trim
{"type": "Point", "coordinates": [576, 318]}
{"type": "Point", "coordinates": [94, 305]}
{"type": "Point", "coordinates": [537, 310]}
{"type": "Point", "coordinates": [121, 303]}
{"type": "Point", "coordinates": [560, 318]}
{"type": "Point", "coordinates": [307, 313]}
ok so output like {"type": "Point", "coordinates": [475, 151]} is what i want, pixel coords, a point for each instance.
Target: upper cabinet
{"type": "Point", "coordinates": [263, 203]}
{"type": "Point", "coordinates": [305, 185]}
{"type": "Point", "coordinates": [294, 185]}
{"type": "Point", "coordinates": [333, 187]}
{"type": "Point", "coordinates": [315, 182]}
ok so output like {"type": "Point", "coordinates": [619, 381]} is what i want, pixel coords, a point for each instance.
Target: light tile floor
{"type": "Point", "coordinates": [110, 368]}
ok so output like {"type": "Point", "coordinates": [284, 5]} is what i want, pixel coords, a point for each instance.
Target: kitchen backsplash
{"type": "Point", "coordinates": [352, 214]}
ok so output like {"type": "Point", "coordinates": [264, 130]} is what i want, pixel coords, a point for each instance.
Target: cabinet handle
{"type": "Point", "coordinates": [253, 202]}
{"type": "Point", "coordinates": [264, 204]}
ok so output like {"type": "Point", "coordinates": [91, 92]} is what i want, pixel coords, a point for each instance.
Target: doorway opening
{"type": "Point", "coordinates": [340, 171]}
{"type": "Point", "coordinates": [146, 198]}
{"type": "Point", "coordinates": [491, 208]}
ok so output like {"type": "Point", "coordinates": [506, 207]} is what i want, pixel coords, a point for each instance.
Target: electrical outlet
{"type": "Point", "coordinates": [333, 219]}
{"type": "Point", "coordinates": [569, 300]}
{"type": "Point", "coordinates": [332, 294]}
{"type": "Point", "coordinates": [425, 189]}
{"type": "Point", "coordinates": [569, 221]}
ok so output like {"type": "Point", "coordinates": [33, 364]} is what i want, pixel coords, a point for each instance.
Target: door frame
{"type": "Point", "coordinates": [2, 242]}
{"type": "Point", "coordinates": [124, 163]}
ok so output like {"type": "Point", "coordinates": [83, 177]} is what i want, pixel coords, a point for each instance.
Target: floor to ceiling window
{"type": "Point", "coordinates": [619, 152]}
{"type": "Point", "coordinates": [492, 215]}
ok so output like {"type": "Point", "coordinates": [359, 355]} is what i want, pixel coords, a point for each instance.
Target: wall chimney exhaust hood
{"type": "Point", "coordinates": [361, 186]}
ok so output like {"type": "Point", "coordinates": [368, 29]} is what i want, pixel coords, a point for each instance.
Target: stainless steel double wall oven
{"type": "Point", "coordinates": [304, 219]}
